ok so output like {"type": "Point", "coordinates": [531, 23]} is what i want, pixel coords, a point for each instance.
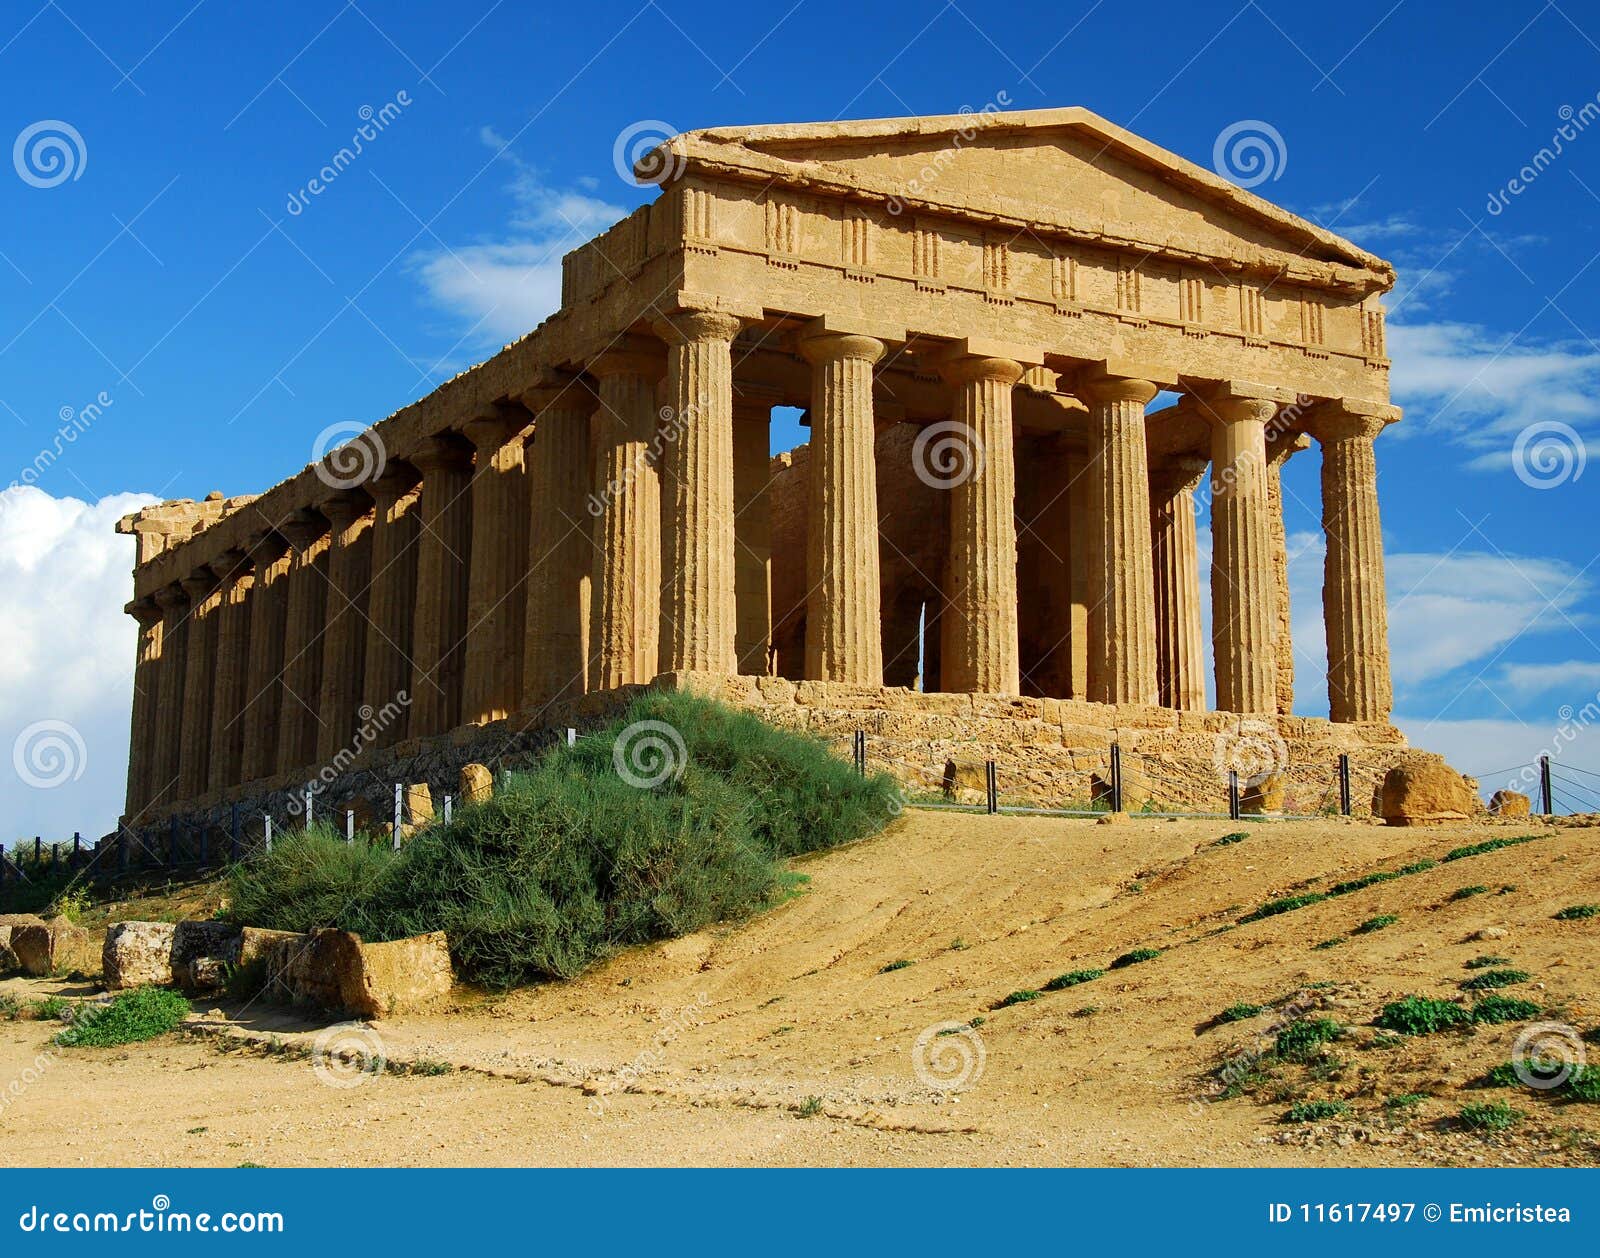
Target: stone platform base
{"type": "Point", "coordinates": [1048, 752]}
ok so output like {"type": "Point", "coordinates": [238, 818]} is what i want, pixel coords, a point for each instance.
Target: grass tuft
{"type": "Point", "coordinates": [1578, 912]}
{"type": "Point", "coordinates": [1489, 845]}
{"type": "Point", "coordinates": [1489, 1116]}
{"type": "Point", "coordinates": [1490, 979]}
{"type": "Point", "coordinates": [1227, 840]}
{"type": "Point", "coordinates": [1021, 997]}
{"type": "Point", "coordinates": [1422, 1015]}
{"type": "Point", "coordinates": [141, 1014]}
{"type": "Point", "coordinates": [1071, 979]}
{"type": "Point", "coordinates": [1497, 1009]}
{"type": "Point", "coordinates": [1135, 957]}
{"type": "Point", "coordinates": [1304, 1037]}
{"type": "Point", "coordinates": [1485, 961]}
{"type": "Point", "coordinates": [1286, 905]}
{"type": "Point", "coordinates": [1375, 923]}
{"type": "Point", "coordinates": [1241, 1012]}
{"type": "Point", "coordinates": [901, 964]}
{"type": "Point", "coordinates": [1466, 893]}
{"type": "Point", "coordinates": [1315, 1111]}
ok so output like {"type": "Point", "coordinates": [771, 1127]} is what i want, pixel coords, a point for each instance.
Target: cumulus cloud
{"type": "Point", "coordinates": [506, 286]}
{"type": "Point", "coordinates": [66, 662]}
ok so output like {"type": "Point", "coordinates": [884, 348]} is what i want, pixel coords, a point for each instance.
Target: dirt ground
{"type": "Point", "coordinates": [799, 1039]}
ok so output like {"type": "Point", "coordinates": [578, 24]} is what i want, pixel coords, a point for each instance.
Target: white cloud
{"type": "Point", "coordinates": [66, 654]}
{"type": "Point", "coordinates": [1566, 678]}
{"type": "Point", "coordinates": [505, 287]}
{"type": "Point", "coordinates": [1505, 753]}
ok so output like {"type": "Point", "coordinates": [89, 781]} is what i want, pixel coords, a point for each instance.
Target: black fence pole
{"type": "Point", "coordinates": [38, 843]}
{"type": "Point", "coordinates": [1116, 777]}
{"type": "Point", "coordinates": [1233, 794]}
{"type": "Point", "coordinates": [1344, 785]}
{"type": "Point", "coordinates": [860, 747]}
{"type": "Point", "coordinates": [991, 786]}
{"type": "Point", "coordinates": [77, 848]}
{"type": "Point", "coordinates": [1544, 786]}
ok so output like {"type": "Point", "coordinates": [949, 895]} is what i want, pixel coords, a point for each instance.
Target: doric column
{"type": "Point", "coordinates": [444, 546]}
{"type": "Point", "coordinates": [844, 634]}
{"type": "Point", "coordinates": [626, 505]}
{"type": "Point", "coordinates": [1242, 600]}
{"type": "Point", "coordinates": [752, 527]}
{"type": "Point", "coordinates": [391, 598]}
{"type": "Point", "coordinates": [496, 598]}
{"type": "Point", "coordinates": [1281, 447]}
{"type": "Point", "coordinates": [699, 607]}
{"type": "Point", "coordinates": [269, 609]}
{"type": "Point", "coordinates": [560, 557]}
{"type": "Point", "coordinates": [1121, 581]}
{"type": "Point", "coordinates": [143, 735]}
{"type": "Point", "coordinates": [228, 715]}
{"type": "Point", "coordinates": [168, 754]}
{"type": "Point", "coordinates": [304, 619]}
{"type": "Point", "coordinates": [1359, 687]}
{"type": "Point", "coordinates": [1180, 643]}
{"type": "Point", "coordinates": [194, 757]}
{"type": "Point", "coordinates": [344, 635]}
{"type": "Point", "coordinates": [979, 625]}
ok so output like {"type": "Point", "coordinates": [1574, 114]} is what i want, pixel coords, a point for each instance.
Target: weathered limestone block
{"type": "Point", "coordinates": [477, 784]}
{"type": "Point", "coordinates": [1510, 804]}
{"type": "Point", "coordinates": [1423, 792]}
{"type": "Point", "coordinates": [55, 947]}
{"type": "Point", "coordinates": [419, 808]}
{"type": "Point", "coordinates": [966, 780]}
{"type": "Point", "coordinates": [10, 921]}
{"type": "Point", "coordinates": [203, 953]}
{"type": "Point", "coordinates": [336, 971]}
{"type": "Point", "coordinates": [137, 954]}
{"type": "Point", "coordinates": [1265, 796]}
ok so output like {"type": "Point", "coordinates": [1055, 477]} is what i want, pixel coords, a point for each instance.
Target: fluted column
{"type": "Point", "coordinates": [1121, 580]}
{"type": "Point", "coordinates": [626, 504]}
{"type": "Point", "coordinates": [560, 557]}
{"type": "Point", "coordinates": [1359, 687]}
{"type": "Point", "coordinates": [168, 751]}
{"type": "Point", "coordinates": [143, 734]}
{"type": "Point", "coordinates": [344, 635]}
{"type": "Point", "coordinates": [304, 619]}
{"type": "Point", "coordinates": [844, 633]}
{"type": "Point", "coordinates": [1281, 447]}
{"type": "Point", "coordinates": [1242, 599]}
{"type": "Point", "coordinates": [1180, 642]}
{"type": "Point", "coordinates": [228, 716]}
{"type": "Point", "coordinates": [496, 597]}
{"type": "Point", "coordinates": [391, 599]}
{"type": "Point", "coordinates": [699, 604]}
{"type": "Point", "coordinates": [752, 528]}
{"type": "Point", "coordinates": [979, 625]}
{"type": "Point", "coordinates": [269, 609]}
{"type": "Point", "coordinates": [194, 757]}
{"type": "Point", "coordinates": [444, 547]}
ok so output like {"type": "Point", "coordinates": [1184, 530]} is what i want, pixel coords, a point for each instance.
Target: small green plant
{"type": "Point", "coordinates": [1304, 1037]}
{"type": "Point", "coordinates": [1135, 957]}
{"type": "Point", "coordinates": [977, 1022]}
{"type": "Point", "coordinates": [1020, 997]}
{"type": "Point", "coordinates": [141, 1014]}
{"type": "Point", "coordinates": [1419, 867]}
{"type": "Point", "coordinates": [901, 964]}
{"type": "Point", "coordinates": [1488, 845]}
{"type": "Point", "coordinates": [1137, 888]}
{"type": "Point", "coordinates": [1286, 905]}
{"type": "Point", "coordinates": [1507, 889]}
{"type": "Point", "coordinates": [1315, 1111]}
{"type": "Point", "coordinates": [1422, 1015]}
{"type": "Point", "coordinates": [810, 1107]}
{"type": "Point", "coordinates": [1227, 840]}
{"type": "Point", "coordinates": [50, 1009]}
{"type": "Point", "coordinates": [1357, 884]}
{"type": "Point", "coordinates": [1489, 979]}
{"type": "Point", "coordinates": [1328, 943]}
{"type": "Point", "coordinates": [1375, 923]}
{"type": "Point", "coordinates": [1241, 1012]}
{"type": "Point", "coordinates": [1088, 1011]}
{"type": "Point", "coordinates": [1489, 1116]}
{"type": "Point", "coordinates": [10, 1007]}
{"type": "Point", "coordinates": [430, 1067]}
{"type": "Point", "coordinates": [1466, 893]}
{"type": "Point", "coordinates": [1583, 1085]}
{"type": "Point", "coordinates": [1485, 961]}
{"type": "Point", "coordinates": [1578, 912]}
{"type": "Point", "coordinates": [71, 904]}
{"type": "Point", "coordinates": [1496, 1009]}
{"type": "Point", "coordinates": [1071, 979]}
{"type": "Point", "coordinates": [959, 944]}
{"type": "Point", "coordinates": [1405, 1101]}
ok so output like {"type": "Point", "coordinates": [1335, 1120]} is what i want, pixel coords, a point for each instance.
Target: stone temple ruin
{"type": "Point", "coordinates": [986, 549]}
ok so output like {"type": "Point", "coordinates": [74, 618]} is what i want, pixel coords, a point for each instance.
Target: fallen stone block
{"type": "Point", "coordinates": [1510, 804]}
{"type": "Point", "coordinates": [1264, 796]}
{"type": "Point", "coordinates": [334, 970]}
{"type": "Point", "coordinates": [137, 954]}
{"type": "Point", "coordinates": [8, 959]}
{"type": "Point", "coordinates": [1424, 793]}
{"type": "Point", "coordinates": [203, 953]}
{"type": "Point", "coordinates": [10, 921]}
{"type": "Point", "coordinates": [477, 784]}
{"type": "Point", "coordinates": [55, 947]}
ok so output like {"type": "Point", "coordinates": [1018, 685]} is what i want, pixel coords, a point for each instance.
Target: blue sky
{"type": "Point", "coordinates": [225, 331]}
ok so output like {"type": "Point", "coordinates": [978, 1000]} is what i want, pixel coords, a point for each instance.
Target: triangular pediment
{"type": "Point", "coordinates": [1064, 170]}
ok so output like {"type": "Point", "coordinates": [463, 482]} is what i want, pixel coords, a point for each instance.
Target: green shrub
{"type": "Point", "coordinates": [1489, 1116]}
{"type": "Point", "coordinates": [50, 1009]}
{"type": "Point", "coordinates": [1304, 1037]}
{"type": "Point", "coordinates": [1578, 912]}
{"type": "Point", "coordinates": [1018, 998]}
{"type": "Point", "coordinates": [1490, 979]}
{"type": "Point", "coordinates": [1135, 957]}
{"type": "Point", "coordinates": [1286, 905]}
{"type": "Point", "coordinates": [1484, 962]}
{"type": "Point", "coordinates": [1072, 979]}
{"type": "Point", "coordinates": [810, 1107]}
{"type": "Point", "coordinates": [1422, 1015]}
{"type": "Point", "coordinates": [1466, 893]}
{"type": "Point", "coordinates": [141, 1014]}
{"type": "Point", "coordinates": [1583, 1085]}
{"type": "Point", "coordinates": [1227, 840]}
{"type": "Point", "coordinates": [1494, 1009]}
{"type": "Point", "coordinates": [1328, 943]}
{"type": "Point", "coordinates": [1405, 1101]}
{"type": "Point", "coordinates": [429, 1067]}
{"type": "Point", "coordinates": [1241, 1012]}
{"type": "Point", "coordinates": [1315, 1111]}
{"type": "Point", "coordinates": [901, 964]}
{"type": "Point", "coordinates": [1375, 923]}
{"type": "Point", "coordinates": [1488, 845]}
{"type": "Point", "coordinates": [569, 860]}
{"type": "Point", "coordinates": [1356, 884]}
{"type": "Point", "coordinates": [1419, 867]}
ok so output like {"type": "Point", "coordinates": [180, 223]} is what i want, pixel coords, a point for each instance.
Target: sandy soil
{"type": "Point", "coordinates": [784, 1041]}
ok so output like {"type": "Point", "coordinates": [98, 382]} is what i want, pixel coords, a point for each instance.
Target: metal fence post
{"type": "Point", "coordinates": [38, 848]}
{"type": "Point", "coordinates": [991, 787]}
{"type": "Point", "coordinates": [266, 831]}
{"type": "Point", "coordinates": [572, 736]}
{"type": "Point", "coordinates": [1344, 784]}
{"type": "Point", "coordinates": [447, 810]}
{"type": "Point", "coordinates": [399, 806]}
{"type": "Point", "coordinates": [309, 798]}
{"type": "Point", "coordinates": [1233, 794]}
{"type": "Point", "coordinates": [859, 748]}
{"type": "Point", "coordinates": [1544, 786]}
{"type": "Point", "coordinates": [349, 825]}
{"type": "Point", "coordinates": [1116, 777]}
{"type": "Point", "coordinates": [77, 847]}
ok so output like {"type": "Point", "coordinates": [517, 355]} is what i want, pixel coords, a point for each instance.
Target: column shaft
{"type": "Point", "coordinates": [194, 757]}
{"type": "Point", "coordinates": [168, 751]}
{"type": "Point", "coordinates": [304, 619]}
{"type": "Point", "coordinates": [228, 715]}
{"type": "Point", "coordinates": [496, 596]}
{"type": "Point", "coordinates": [752, 561]}
{"type": "Point", "coordinates": [560, 559]}
{"type": "Point", "coordinates": [444, 545]}
{"type": "Point", "coordinates": [143, 733]}
{"type": "Point", "coordinates": [1242, 600]}
{"type": "Point", "coordinates": [1180, 643]}
{"type": "Point", "coordinates": [391, 602]}
{"type": "Point", "coordinates": [344, 637]}
{"type": "Point", "coordinates": [269, 608]}
{"type": "Point", "coordinates": [1279, 451]}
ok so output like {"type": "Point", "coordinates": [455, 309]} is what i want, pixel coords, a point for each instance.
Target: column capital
{"type": "Point", "coordinates": [145, 610]}
{"type": "Point", "coordinates": [1238, 410]}
{"type": "Point", "coordinates": [1283, 446]}
{"type": "Point", "coordinates": [1118, 389]}
{"type": "Point", "coordinates": [399, 479]}
{"type": "Point", "coordinates": [230, 564]}
{"type": "Point", "coordinates": [441, 452]}
{"type": "Point", "coordinates": [1345, 420]}
{"type": "Point", "coordinates": [344, 507]}
{"type": "Point", "coordinates": [558, 389]}
{"type": "Point", "coordinates": [697, 325]}
{"type": "Point", "coordinates": [826, 347]}
{"type": "Point", "coordinates": [171, 598]}
{"type": "Point", "coordinates": [303, 528]}
{"type": "Point", "coordinates": [960, 368]}
{"type": "Point", "coordinates": [630, 355]}
{"type": "Point", "coordinates": [1181, 474]}
{"type": "Point", "coordinates": [199, 585]}
{"type": "Point", "coordinates": [266, 548]}
{"type": "Point", "coordinates": [496, 426]}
